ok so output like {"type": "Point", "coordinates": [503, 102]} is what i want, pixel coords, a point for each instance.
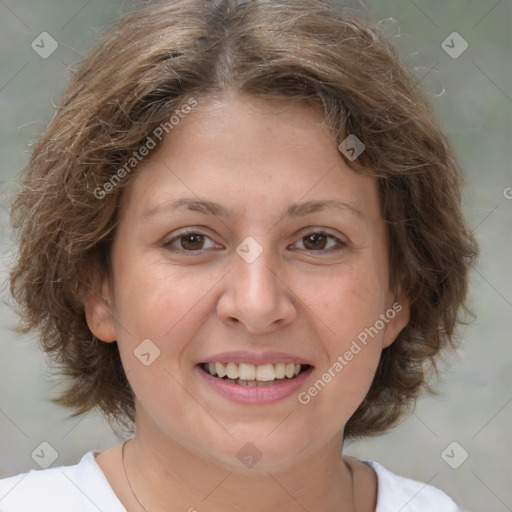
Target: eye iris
{"type": "Point", "coordinates": [312, 241]}
{"type": "Point", "coordinates": [192, 241]}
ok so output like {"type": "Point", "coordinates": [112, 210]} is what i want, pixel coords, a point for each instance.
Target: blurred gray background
{"type": "Point", "coordinates": [472, 94]}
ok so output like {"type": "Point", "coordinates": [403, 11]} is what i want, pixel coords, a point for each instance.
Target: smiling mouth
{"type": "Point", "coordinates": [251, 375]}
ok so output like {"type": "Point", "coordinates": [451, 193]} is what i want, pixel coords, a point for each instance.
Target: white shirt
{"type": "Point", "coordinates": [84, 488]}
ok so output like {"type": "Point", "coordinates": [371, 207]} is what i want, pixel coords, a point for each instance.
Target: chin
{"type": "Point", "coordinates": [260, 455]}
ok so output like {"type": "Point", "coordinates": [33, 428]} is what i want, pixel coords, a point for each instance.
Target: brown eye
{"type": "Point", "coordinates": [192, 241]}
{"type": "Point", "coordinates": [320, 242]}
{"type": "Point", "coordinates": [316, 241]}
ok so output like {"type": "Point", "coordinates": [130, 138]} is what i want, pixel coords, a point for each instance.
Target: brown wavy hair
{"type": "Point", "coordinates": [147, 66]}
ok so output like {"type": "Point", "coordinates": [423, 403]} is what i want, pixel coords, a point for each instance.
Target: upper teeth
{"type": "Point", "coordinates": [264, 372]}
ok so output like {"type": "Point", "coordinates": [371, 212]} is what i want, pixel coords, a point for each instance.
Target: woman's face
{"type": "Point", "coordinates": [247, 240]}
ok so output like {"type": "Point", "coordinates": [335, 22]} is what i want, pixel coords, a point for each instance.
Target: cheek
{"type": "Point", "coordinates": [348, 301]}
{"type": "Point", "coordinates": [166, 305]}
{"type": "Point", "coordinates": [159, 312]}
{"type": "Point", "coordinates": [347, 307]}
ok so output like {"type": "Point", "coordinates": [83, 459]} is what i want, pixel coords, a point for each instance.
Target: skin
{"type": "Point", "coordinates": [254, 157]}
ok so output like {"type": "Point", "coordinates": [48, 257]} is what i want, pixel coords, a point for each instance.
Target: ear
{"type": "Point", "coordinates": [397, 317]}
{"type": "Point", "coordinates": [98, 313]}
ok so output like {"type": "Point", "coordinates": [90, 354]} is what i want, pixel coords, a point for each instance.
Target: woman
{"type": "Point", "coordinates": [257, 250]}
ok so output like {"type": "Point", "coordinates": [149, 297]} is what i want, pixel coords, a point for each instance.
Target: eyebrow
{"type": "Point", "coordinates": [211, 208]}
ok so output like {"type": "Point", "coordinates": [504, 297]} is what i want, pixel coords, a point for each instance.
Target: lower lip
{"type": "Point", "coordinates": [256, 394]}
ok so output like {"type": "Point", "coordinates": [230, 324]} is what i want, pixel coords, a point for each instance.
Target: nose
{"type": "Point", "coordinates": [256, 297]}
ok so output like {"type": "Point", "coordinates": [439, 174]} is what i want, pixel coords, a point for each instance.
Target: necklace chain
{"type": "Point", "coordinates": [128, 480]}
{"type": "Point", "coordinates": [145, 510]}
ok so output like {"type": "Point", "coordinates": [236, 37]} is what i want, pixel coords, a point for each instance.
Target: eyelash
{"type": "Point", "coordinates": [168, 245]}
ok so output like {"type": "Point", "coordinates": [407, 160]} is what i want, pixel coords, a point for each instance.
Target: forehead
{"type": "Point", "coordinates": [245, 150]}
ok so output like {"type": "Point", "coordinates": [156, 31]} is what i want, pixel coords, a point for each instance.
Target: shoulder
{"type": "Point", "coordinates": [398, 493]}
{"type": "Point", "coordinates": [81, 488]}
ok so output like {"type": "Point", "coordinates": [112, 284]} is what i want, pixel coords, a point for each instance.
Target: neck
{"type": "Point", "coordinates": [164, 474]}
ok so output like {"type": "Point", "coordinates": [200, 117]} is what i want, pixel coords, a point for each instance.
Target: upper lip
{"type": "Point", "coordinates": [255, 358]}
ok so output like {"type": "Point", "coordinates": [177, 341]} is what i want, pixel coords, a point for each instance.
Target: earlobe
{"type": "Point", "coordinates": [398, 315]}
{"type": "Point", "coordinates": [98, 314]}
